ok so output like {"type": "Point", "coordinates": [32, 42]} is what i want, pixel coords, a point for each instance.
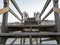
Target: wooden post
{"type": "Point", "coordinates": [4, 22]}
{"type": "Point", "coordinates": [57, 20]}
{"type": "Point", "coordinates": [30, 36]}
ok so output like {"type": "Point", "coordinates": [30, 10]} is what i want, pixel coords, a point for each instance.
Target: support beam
{"type": "Point", "coordinates": [45, 6]}
{"type": "Point", "coordinates": [14, 14]}
{"type": "Point", "coordinates": [4, 22]}
{"type": "Point", "coordinates": [29, 34]}
{"type": "Point", "coordinates": [18, 9]}
{"type": "Point", "coordinates": [57, 20]}
{"type": "Point", "coordinates": [47, 14]}
{"type": "Point", "coordinates": [47, 40]}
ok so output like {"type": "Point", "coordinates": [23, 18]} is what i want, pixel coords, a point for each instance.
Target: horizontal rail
{"type": "Point", "coordinates": [12, 12]}
{"type": "Point", "coordinates": [29, 34]}
{"type": "Point", "coordinates": [28, 26]}
{"type": "Point", "coordinates": [30, 44]}
{"type": "Point", "coordinates": [47, 14]}
{"type": "Point", "coordinates": [4, 10]}
{"type": "Point", "coordinates": [57, 10]}
{"type": "Point", "coordinates": [16, 6]}
{"type": "Point", "coordinates": [45, 6]}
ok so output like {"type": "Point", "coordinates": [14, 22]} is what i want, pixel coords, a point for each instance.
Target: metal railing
{"type": "Point", "coordinates": [43, 10]}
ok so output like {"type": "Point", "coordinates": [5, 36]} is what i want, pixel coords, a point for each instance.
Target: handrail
{"type": "Point", "coordinates": [4, 10]}
{"type": "Point", "coordinates": [12, 12]}
{"type": "Point", "coordinates": [47, 14]}
{"type": "Point", "coordinates": [45, 6]}
{"type": "Point", "coordinates": [16, 6]}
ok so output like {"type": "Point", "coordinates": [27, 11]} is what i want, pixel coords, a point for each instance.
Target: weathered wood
{"type": "Point", "coordinates": [4, 10]}
{"type": "Point", "coordinates": [4, 22]}
{"type": "Point", "coordinates": [57, 10]}
{"type": "Point", "coordinates": [14, 14]}
{"type": "Point", "coordinates": [30, 34]}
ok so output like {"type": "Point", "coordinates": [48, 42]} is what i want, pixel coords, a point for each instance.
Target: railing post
{"type": "Point", "coordinates": [4, 22]}
{"type": "Point", "coordinates": [57, 20]}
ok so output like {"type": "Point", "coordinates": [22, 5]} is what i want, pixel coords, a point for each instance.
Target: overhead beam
{"type": "Point", "coordinates": [14, 14]}
{"type": "Point", "coordinates": [4, 10]}
{"type": "Point", "coordinates": [47, 14]}
{"type": "Point", "coordinates": [17, 7]}
{"type": "Point", "coordinates": [45, 6]}
{"type": "Point", "coordinates": [47, 39]}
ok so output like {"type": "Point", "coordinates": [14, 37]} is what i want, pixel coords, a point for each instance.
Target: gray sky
{"type": "Point", "coordinates": [29, 6]}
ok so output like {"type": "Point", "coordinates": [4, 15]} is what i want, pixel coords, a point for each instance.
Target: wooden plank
{"type": "Point", "coordinates": [4, 10]}
{"type": "Point", "coordinates": [57, 10]}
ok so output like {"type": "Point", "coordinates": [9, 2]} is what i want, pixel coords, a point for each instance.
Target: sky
{"type": "Point", "coordinates": [30, 6]}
